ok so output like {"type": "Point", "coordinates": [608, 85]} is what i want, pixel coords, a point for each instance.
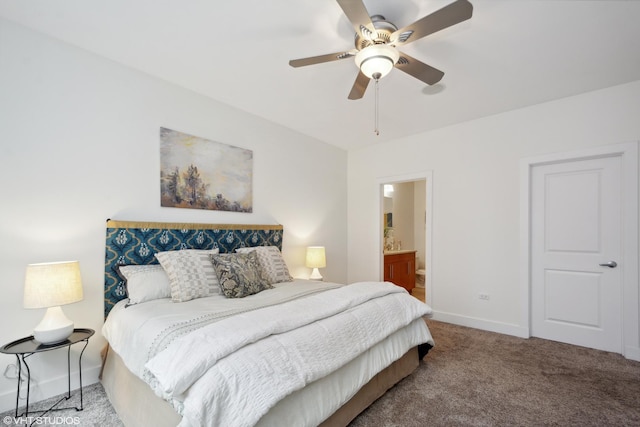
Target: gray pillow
{"type": "Point", "coordinates": [191, 273]}
{"type": "Point", "coordinates": [272, 263]}
{"type": "Point", "coordinates": [239, 275]}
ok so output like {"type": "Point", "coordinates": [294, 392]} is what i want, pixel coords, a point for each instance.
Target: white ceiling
{"type": "Point", "coordinates": [510, 54]}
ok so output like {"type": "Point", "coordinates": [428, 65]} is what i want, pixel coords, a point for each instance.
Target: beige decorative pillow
{"type": "Point", "coordinates": [273, 265]}
{"type": "Point", "coordinates": [191, 273]}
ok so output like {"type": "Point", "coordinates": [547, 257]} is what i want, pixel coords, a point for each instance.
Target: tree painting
{"type": "Point", "coordinates": [196, 173]}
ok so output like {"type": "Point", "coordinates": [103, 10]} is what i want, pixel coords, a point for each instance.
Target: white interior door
{"type": "Point", "coordinates": [576, 285]}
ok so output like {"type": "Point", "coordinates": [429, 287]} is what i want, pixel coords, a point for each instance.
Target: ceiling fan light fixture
{"type": "Point", "coordinates": [377, 59]}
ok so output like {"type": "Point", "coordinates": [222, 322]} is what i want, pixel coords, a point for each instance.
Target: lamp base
{"type": "Point", "coordinates": [315, 275]}
{"type": "Point", "coordinates": [54, 327]}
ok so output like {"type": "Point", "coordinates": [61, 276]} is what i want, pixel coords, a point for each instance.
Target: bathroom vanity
{"type": "Point", "coordinates": [400, 268]}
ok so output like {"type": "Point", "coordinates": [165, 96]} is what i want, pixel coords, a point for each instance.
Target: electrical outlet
{"type": "Point", "coordinates": [484, 297]}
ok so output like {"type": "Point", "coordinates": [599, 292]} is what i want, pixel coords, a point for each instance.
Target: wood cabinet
{"type": "Point", "coordinates": [400, 268]}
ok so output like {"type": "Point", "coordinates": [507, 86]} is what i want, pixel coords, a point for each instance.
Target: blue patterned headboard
{"type": "Point", "coordinates": [130, 242]}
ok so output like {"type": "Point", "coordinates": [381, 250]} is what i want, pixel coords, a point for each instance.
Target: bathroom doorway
{"type": "Point", "coordinates": [406, 206]}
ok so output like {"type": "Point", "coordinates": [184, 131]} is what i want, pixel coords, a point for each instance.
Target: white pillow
{"type": "Point", "coordinates": [273, 265]}
{"type": "Point", "coordinates": [145, 282]}
{"type": "Point", "coordinates": [191, 273]}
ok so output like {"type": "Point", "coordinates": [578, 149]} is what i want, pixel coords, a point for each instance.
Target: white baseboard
{"type": "Point", "coordinates": [632, 353]}
{"type": "Point", "coordinates": [485, 325]}
{"type": "Point", "coordinates": [49, 388]}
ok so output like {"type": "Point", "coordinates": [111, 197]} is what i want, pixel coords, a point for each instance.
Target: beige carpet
{"type": "Point", "coordinates": [477, 378]}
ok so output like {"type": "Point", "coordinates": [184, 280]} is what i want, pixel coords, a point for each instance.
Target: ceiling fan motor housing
{"type": "Point", "coordinates": [382, 35]}
{"type": "Point", "coordinates": [375, 57]}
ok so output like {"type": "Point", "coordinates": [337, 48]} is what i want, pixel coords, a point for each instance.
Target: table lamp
{"type": "Point", "coordinates": [316, 259]}
{"type": "Point", "coordinates": [50, 285]}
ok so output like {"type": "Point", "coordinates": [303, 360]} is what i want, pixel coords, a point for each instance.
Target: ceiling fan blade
{"type": "Point", "coordinates": [419, 70]}
{"type": "Point", "coordinates": [452, 14]}
{"type": "Point", "coordinates": [360, 85]}
{"type": "Point", "coordinates": [358, 16]}
{"type": "Point", "coordinates": [321, 58]}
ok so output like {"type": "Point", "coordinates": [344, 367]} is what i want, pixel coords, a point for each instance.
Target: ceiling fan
{"type": "Point", "coordinates": [377, 40]}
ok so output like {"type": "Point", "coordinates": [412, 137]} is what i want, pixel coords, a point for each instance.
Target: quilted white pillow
{"type": "Point", "coordinates": [272, 263]}
{"type": "Point", "coordinates": [191, 273]}
{"type": "Point", "coordinates": [145, 282]}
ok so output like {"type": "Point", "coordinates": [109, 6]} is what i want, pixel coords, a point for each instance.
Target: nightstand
{"type": "Point", "coordinates": [25, 347]}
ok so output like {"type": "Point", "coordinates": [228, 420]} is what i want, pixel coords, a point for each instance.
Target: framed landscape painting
{"type": "Point", "coordinates": [196, 173]}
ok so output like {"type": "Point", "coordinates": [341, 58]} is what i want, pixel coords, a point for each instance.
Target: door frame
{"type": "Point", "coordinates": [628, 152]}
{"type": "Point", "coordinates": [427, 176]}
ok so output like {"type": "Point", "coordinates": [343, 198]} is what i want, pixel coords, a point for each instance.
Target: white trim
{"type": "Point", "coordinates": [632, 353]}
{"type": "Point", "coordinates": [631, 296]}
{"type": "Point", "coordinates": [428, 255]}
{"type": "Point", "coordinates": [485, 325]}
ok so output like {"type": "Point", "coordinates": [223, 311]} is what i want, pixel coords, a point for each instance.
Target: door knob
{"type": "Point", "coordinates": [610, 264]}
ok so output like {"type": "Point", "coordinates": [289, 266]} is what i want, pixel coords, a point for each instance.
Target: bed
{"type": "Point", "coordinates": [255, 347]}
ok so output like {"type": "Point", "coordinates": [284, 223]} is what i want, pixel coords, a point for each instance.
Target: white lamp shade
{"type": "Point", "coordinates": [52, 284]}
{"type": "Point", "coordinates": [316, 257]}
{"type": "Point", "coordinates": [377, 58]}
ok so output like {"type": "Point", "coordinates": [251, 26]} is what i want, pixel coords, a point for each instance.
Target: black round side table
{"type": "Point", "coordinates": [25, 347]}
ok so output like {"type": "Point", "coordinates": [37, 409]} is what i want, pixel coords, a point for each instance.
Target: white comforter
{"type": "Point", "coordinates": [232, 371]}
{"type": "Point", "coordinates": [159, 339]}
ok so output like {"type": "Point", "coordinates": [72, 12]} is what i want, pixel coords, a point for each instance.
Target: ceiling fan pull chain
{"type": "Point", "coordinates": [376, 76]}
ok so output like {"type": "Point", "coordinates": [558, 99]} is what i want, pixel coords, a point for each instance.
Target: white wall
{"type": "Point", "coordinates": [476, 196]}
{"type": "Point", "coordinates": [79, 143]}
{"type": "Point", "coordinates": [403, 214]}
